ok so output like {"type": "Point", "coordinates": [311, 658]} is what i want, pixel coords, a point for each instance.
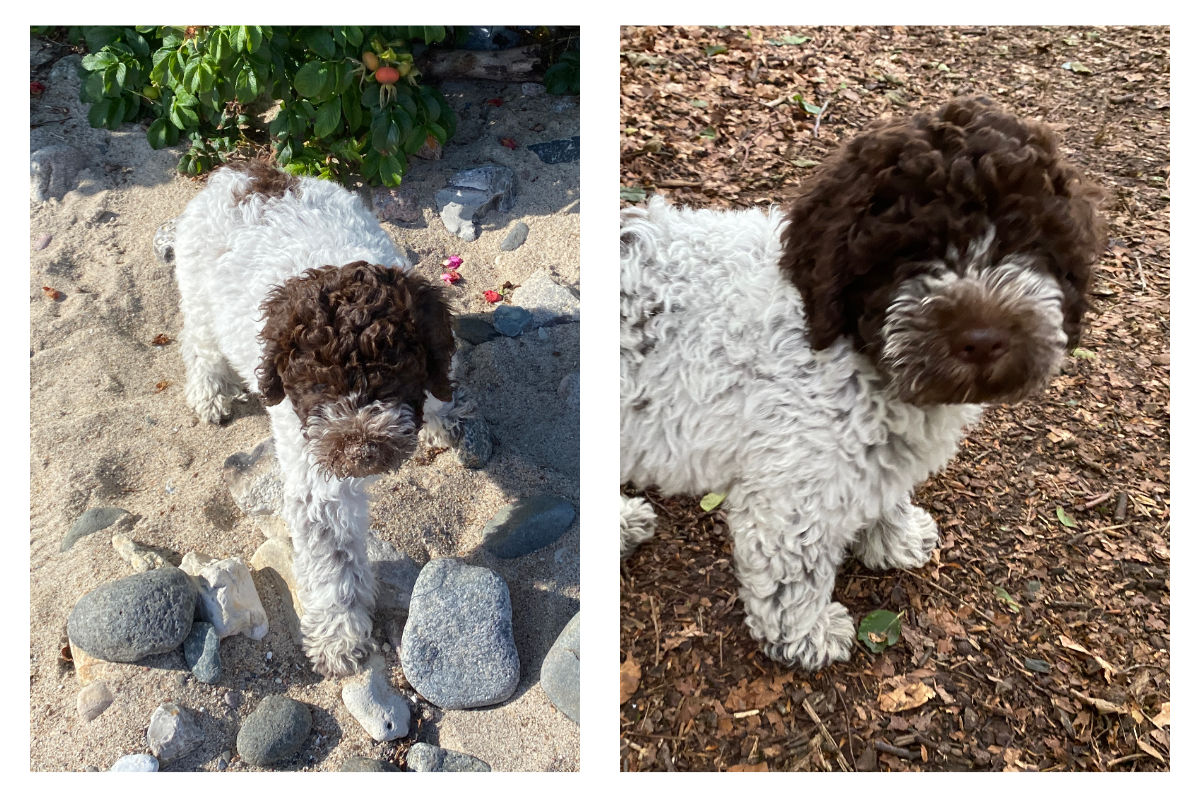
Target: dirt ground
{"type": "Point", "coordinates": [1037, 638]}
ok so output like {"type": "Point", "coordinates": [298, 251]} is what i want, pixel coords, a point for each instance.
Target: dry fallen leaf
{"type": "Point", "coordinates": [631, 676]}
{"type": "Point", "coordinates": [160, 340]}
{"type": "Point", "coordinates": [1163, 718]}
{"type": "Point", "coordinates": [759, 767]}
{"type": "Point", "coordinates": [904, 696]}
{"type": "Point", "coordinates": [160, 386]}
{"type": "Point", "coordinates": [53, 294]}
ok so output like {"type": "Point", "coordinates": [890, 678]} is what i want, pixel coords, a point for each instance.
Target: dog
{"type": "Point", "coordinates": [815, 368]}
{"type": "Point", "coordinates": [289, 285]}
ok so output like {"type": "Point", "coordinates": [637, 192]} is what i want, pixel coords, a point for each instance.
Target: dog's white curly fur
{"type": "Point", "coordinates": [721, 391]}
{"type": "Point", "coordinates": [229, 255]}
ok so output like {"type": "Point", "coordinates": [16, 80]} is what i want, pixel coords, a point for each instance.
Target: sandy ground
{"type": "Point", "coordinates": [109, 427]}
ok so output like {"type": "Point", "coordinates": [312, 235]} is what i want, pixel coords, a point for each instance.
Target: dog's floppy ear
{"type": "Point", "coordinates": [432, 317]}
{"type": "Point", "coordinates": [270, 384]}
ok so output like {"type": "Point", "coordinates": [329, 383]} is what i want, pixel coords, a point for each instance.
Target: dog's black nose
{"type": "Point", "coordinates": [981, 345]}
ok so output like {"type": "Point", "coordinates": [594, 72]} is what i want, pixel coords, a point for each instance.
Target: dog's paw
{"type": "Point", "coordinates": [637, 523]}
{"type": "Point", "coordinates": [335, 649]}
{"type": "Point", "coordinates": [903, 540]}
{"type": "Point", "coordinates": [211, 408]}
{"type": "Point", "coordinates": [831, 638]}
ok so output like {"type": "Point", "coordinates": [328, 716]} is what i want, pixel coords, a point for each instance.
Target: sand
{"type": "Point", "coordinates": [109, 427]}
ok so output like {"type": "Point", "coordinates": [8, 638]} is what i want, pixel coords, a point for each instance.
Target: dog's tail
{"type": "Point", "coordinates": [637, 523]}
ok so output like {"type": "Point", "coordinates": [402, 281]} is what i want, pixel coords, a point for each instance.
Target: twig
{"type": "Point", "coordinates": [849, 730]}
{"type": "Point", "coordinates": [1125, 759]}
{"type": "Point", "coordinates": [1141, 275]}
{"type": "Point", "coordinates": [1082, 534]}
{"type": "Point", "coordinates": [1097, 501]}
{"type": "Point", "coordinates": [899, 752]}
{"type": "Point", "coordinates": [829, 740]}
{"type": "Point", "coordinates": [821, 113]}
{"type": "Point", "coordinates": [657, 632]}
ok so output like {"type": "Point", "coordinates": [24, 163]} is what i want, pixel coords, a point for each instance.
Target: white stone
{"type": "Point", "coordinates": [229, 600]}
{"type": "Point", "coordinates": [370, 699]}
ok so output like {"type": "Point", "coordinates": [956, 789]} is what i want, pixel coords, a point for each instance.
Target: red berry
{"type": "Point", "coordinates": [387, 75]}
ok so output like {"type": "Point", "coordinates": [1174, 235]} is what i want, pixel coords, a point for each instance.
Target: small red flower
{"type": "Point", "coordinates": [511, 144]}
{"type": "Point", "coordinates": [36, 87]}
{"type": "Point", "coordinates": [491, 297]}
{"type": "Point", "coordinates": [450, 277]}
{"type": "Point", "coordinates": [495, 101]}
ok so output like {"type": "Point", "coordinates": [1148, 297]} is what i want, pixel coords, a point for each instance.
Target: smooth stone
{"type": "Point", "coordinates": [274, 731]}
{"type": "Point", "coordinates": [138, 762]}
{"type": "Point", "coordinates": [93, 699]}
{"type": "Point", "coordinates": [474, 328]}
{"type": "Point", "coordinates": [511, 320]}
{"type": "Point", "coordinates": [229, 599]}
{"type": "Point", "coordinates": [134, 617]}
{"type": "Point", "coordinates": [201, 651]}
{"type": "Point", "coordinates": [527, 525]}
{"type": "Point", "coordinates": [559, 151]}
{"type": "Point", "coordinates": [377, 707]}
{"type": "Point", "coordinates": [515, 237]}
{"type": "Point", "coordinates": [173, 732]}
{"type": "Point", "coordinates": [560, 671]}
{"type": "Point", "coordinates": [457, 649]}
{"type": "Point", "coordinates": [359, 764]}
{"type": "Point", "coordinates": [472, 192]}
{"type": "Point", "coordinates": [423, 757]}
{"type": "Point", "coordinates": [273, 560]}
{"type": "Point", "coordinates": [548, 300]}
{"type": "Point", "coordinates": [254, 480]}
{"type": "Point", "coordinates": [139, 556]}
{"type": "Point", "coordinates": [90, 521]}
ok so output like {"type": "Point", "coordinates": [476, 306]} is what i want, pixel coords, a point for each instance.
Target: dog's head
{"type": "Point", "coordinates": [955, 249]}
{"type": "Point", "coordinates": [355, 349]}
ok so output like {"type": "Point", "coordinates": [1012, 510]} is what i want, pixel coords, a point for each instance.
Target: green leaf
{"type": "Point", "coordinates": [1065, 518]}
{"type": "Point", "coordinates": [310, 79]}
{"type": "Point", "coordinates": [811, 108]}
{"type": "Point", "coordinates": [879, 630]}
{"type": "Point", "coordinates": [321, 42]}
{"type": "Point", "coordinates": [711, 501]}
{"type": "Point", "coordinates": [1078, 67]}
{"type": "Point", "coordinates": [354, 113]}
{"type": "Point", "coordinates": [329, 118]}
{"type": "Point", "coordinates": [715, 49]}
{"type": "Point", "coordinates": [1080, 352]}
{"type": "Point", "coordinates": [1003, 594]}
{"type": "Point", "coordinates": [392, 169]}
{"type": "Point", "coordinates": [791, 40]}
{"type": "Point", "coordinates": [708, 133]}
{"type": "Point", "coordinates": [415, 140]}
{"type": "Point", "coordinates": [99, 61]}
{"type": "Point", "coordinates": [98, 114]}
{"type": "Point", "coordinates": [634, 194]}
{"type": "Point", "coordinates": [700, 103]}
{"type": "Point", "coordinates": [805, 162]}
{"type": "Point", "coordinates": [162, 134]}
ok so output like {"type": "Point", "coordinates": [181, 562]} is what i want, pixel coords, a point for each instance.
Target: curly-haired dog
{"type": "Point", "coordinates": [816, 368]}
{"type": "Point", "coordinates": [292, 287]}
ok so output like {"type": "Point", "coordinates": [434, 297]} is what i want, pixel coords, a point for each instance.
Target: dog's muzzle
{"type": "Point", "coordinates": [350, 440]}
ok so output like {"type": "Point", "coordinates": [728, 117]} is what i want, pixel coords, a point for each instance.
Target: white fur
{"type": "Point", "coordinates": [228, 257]}
{"type": "Point", "coordinates": [720, 391]}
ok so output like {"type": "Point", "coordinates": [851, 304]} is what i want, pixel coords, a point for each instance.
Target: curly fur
{"type": "Point", "coordinates": [290, 286]}
{"type": "Point", "coordinates": [816, 368]}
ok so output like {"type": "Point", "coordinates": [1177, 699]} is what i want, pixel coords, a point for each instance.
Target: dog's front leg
{"type": "Point", "coordinates": [787, 565]}
{"type": "Point", "coordinates": [904, 537]}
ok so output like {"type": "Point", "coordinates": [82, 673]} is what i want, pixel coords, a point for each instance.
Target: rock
{"type": "Point", "coordinates": [134, 617]}
{"type": "Point", "coordinates": [93, 699]}
{"type": "Point", "coordinates": [395, 574]}
{"type": "Point", "coordinates": [458, 649]}
{"type": "Point", "coordinates": [254, 480]}
{"type": "Point", "coordinates": [53, 171]}
{"type": "Point", "coordinates": [229, 600]}
{"type": "Point", "coordinates": [475, 447]}
{"type": "Point", "coordinates": [472, 192]}
{"type": "Point", "coordinates": [396, 204]}
{"type": "Point", "coordinates": [273, 560]}
{"type": "Point", "coordinates": [201, 651]}
{"type": "Point", "coordinates": [173, 732]}
{"type": "Point", "coordinates": [193, 561]}
{"type": "Point", "coordinates": [138, 762]}
{"type": "Point", "coordinates": [140, 557]}
{"type": "Point", "coordinates": [559, 151]}
{"type": "Point", "coordinates": [164, 242]}
{"type": "Point", "coordinates": [474, 328]}
{"type": "Point", "coordinates": [43, 242]}
{"type": "Point", "coordinates": [533, 89]}
{"type": "Point", "coordinates": [515, 237]}
{"type": "Point", "coordinates": [527, 525]}
{"type": "Point", "coordinates": [546, 299]}
{"type": "Point", "coordinates": [424, 757]}
{"type": "Point", "coordinates": [274, 731]}
{"type": "Point", "coordinates": [510, 320]}
{"type": "Point", "coordinates": [358, 764]}
{"type": "Point", "coordinates": [560, 671]}
{"type": "Point", "coordinates": [383, 713]}
{"type": "Point", "coordinates": [568, 391]}
{"type": "Point", "coordinates": [90, 521]}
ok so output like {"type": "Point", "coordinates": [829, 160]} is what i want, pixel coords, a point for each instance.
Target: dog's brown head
{"type": "Point", "coordinates": [955, 249]}
{"type": "Point", "coordinates": [355, 348]}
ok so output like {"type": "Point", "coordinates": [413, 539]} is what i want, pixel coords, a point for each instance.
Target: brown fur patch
{"type": "Point", "coordinates": [265, 180]}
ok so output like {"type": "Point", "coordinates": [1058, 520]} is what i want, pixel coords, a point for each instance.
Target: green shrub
{"type": "Point", "coordinates": [349, 97]}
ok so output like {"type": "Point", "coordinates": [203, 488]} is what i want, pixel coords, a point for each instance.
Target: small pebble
{"type": "Point", "coordinates": [359, 764]}
{"type": "Point", "coordinates": [424, 757]}
{"type": "Point", "coordinates": [274, 731]}
{"type": "Point", "coordinates": [138, 762]}
{"type": "Point", "coordinates": [515, 237]}
{"type": "Point", "coordinates": [201, 651]}
{"type": "Point", "coordinates": [527, 525]}
{"type": "Point", "coordinates": [43, 242]}
{"type": "Point", "coordinates": [92, 700]}
{"type": "Point", "coordinates": [173, 732]}
{"type": "Point", "coordinates": [383, 713]}
{"type": "Point", "coordinates": [511, 320]}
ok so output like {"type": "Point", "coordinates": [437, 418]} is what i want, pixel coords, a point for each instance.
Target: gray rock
{"type": "Point", "coordinates": [548, 300]}
{"type": "Point", "coordinates": [173, 732]}
{"type": "Point", "coordinates": [560, 670]}
{"type": "Point", "coordinates": [381, 711]}
{"type": "Point", "coordinates": [90, 521]}
{"type": "Point", "coordinates": [358, 764]}
{"type": "Point", "coordinates": [568, 391]}
{"type": "Point", "coordinates": [202, 652]}
{"type": "Point", "coordinates": [396, 204]}
{"type": "Point", "coordinates": [472, 192]}
{"type": "Point", "coordinates": [474, 328]}
{"type": "Point", "coordinates": [527, 525]}
{"type": "Point", "coordinates": [164, 242]}
{"type": "Point", "coordinates": [93, 699]}
{"type": "Point", "coordinates": [511, 320]}
{"type": "Point", "coordinates": [395, 574]}
{"type": "Point", "coordinates": [254, 480]}
{"type": "Point", "coordinates": [53, 171]}
{"type": "Point", "coordinates": [559, 151]}
{"type": "Point", "coordinates": [515, 237]}
{"type": "Point", "coordinates": [458, 649]}
{"type": "Point", "coordinates": [134, 617]}
{"type": "Point", "coordinates": [138, 762]}
{"type": "Point", "coordinates": [475, 447]}
{"type": "Point", "coordinates": [274, 731]}
{"type": "Point", "coordinates": [424, 757]}
{"type": "Point", "coordinates": [533, 89]}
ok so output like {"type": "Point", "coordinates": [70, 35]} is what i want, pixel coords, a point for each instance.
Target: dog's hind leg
{"type": "Point", "coordinates": [903, 538]}
{"type": "Point", "coordinates": [637, 523]}
{"type": "Point", "coordinates": [212, 385]}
